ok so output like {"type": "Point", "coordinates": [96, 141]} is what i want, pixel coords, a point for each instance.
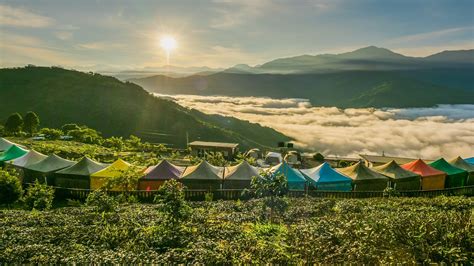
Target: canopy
{"type": "Point", "coordinates": [470, 160]}
{"type": "Point", "coordinates": [240, 176]}
{"type": "Point", "coordinates": [431, 179]}
{"type": "Point", "coordinates": [12, 153]}
{"type": "Point", "coordinates": [460, 163]}
{"type": "Point", "coordinates": [78, 175]}
{"type": "Point", "coordinates": [44, 169]}
{"type": "Point", "coordinates": [402, 179]}
{"type": "Point", "coordinates": [365, 179]}
{"type": "Point", "coordinates": [273, 158]}
{"type": "Point", "coordinates": [156, 175]}
{"type": "Point", "coordinates": [456, 177]}
{"type": "Point", "coordinates": [5, 144]}
{"type": "Point", "coordinates": [323, 177]}
{"type": "Point", "coordinates": [295, 179]}
{"type": "Point", "coordinates": [203, 176]}
{"type": "Point", "coordinates": [28, 159]}
{"type": "Point", "coordinates": [116, 169]}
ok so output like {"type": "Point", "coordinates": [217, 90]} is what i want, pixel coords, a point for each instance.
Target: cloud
{"type": "Point", "coordinates": [231, 13]}
{"type": "Point", "coordinates": [442, 131]}
{"type": "Point", "coordinates": [20, 17]}
{"type": "Point", "coordinates": [429, 35]}
{"type": "Point", "coordinates": [63, 35]}
{"type": "Point", "coordinates": [99, 45]}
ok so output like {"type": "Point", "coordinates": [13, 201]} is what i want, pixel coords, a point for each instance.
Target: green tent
{"type": "Point", "coordinates": [43, 170]}
{"type": "Point", "coordinates": [401, 179]}
{"type": "Point", "coordinates": [455, 177]}
{"type": "Point", "coordinates": [12, 153]}
{"type": "Point", "coordinates": [5, 144]}
{"type": "Point", "coordinates": [460, 163]}
{"type": "Point", "coordinates": [365, 179]}
{"type": "Point", "coordinates": [202, 176]}
{"type": "Point", "coordinates": [78, 175]}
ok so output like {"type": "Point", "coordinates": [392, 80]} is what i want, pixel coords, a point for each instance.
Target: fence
{"type": "Point", "coordinates": [233, 194]}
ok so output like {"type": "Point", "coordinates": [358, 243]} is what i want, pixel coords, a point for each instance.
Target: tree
{"type": "Point", "coordinates": [39, 196]}
{"type": "Point", "coordinates": [68, 127]}
{"type": "Point", "coordinates": [14, 123]}
{"type": "Point", "coordinates": [51, 133]}
{"type": "Point", "coordinates": [114, 142]}
{"type": "Point", "coordinates": [31, 123]}
{"type": "Point", "coordinates": [10, 188]}
{"type": "Point", "coordinates": [170, 197]}
{"type": "Point", "coordinates": [126, 180]}
{"type": "Point", "coordinates": [318, 157]}
{"type": "Point", "coordinates": [216, 158]}
{"type": "Point", "coordinates": [86, 135]}
{"type": "Point", "coordinates": [272, 188]}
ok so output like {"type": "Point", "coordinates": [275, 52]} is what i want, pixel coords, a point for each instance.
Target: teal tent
{"type": "Point", "coordinates": [12, 153]}
{"type": "Point", "coordinates": [296, 180]}
{"type": "Point", "coordinates": [323, 177]}
{"type": "Point", "coordinates": [79, 174]}
{"type": "Point", "coordinates": [455, 177]}
{"type": "Point", "coordinates": [5, 144]}
{"type": "Point", "coordinates": [43, 170]}
{"type": "Point", "coordinates": [470, 160]}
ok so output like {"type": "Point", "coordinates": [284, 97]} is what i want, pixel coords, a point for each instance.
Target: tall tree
{"type": "Point", "coordinates": [14, 123]}
{"type": "Point", "coordinates": [31, 122]}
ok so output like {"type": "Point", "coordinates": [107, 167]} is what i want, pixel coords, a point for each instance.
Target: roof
{"type": "Point", "coordinates": [28, 159]}
{"type": "Point", "coordinates": [421, 168]}
{"type": "Point", "coordinates": [443, 165]}
{"type": "Point", "coordinates": [291, 174]}
{"type": "Point", "coordinates": [460, 163]}
{"type": "Point", "coordinates": [5, 144]}
{"type": "Point", "coordinates": [393, 170]}
{"type": "Point", "coordinates": [12, 153]}
{"type": "Point", "coordinates": [164, 170]}
{"type": "Point", "coordinates": [387, 159]}
{"type": "Point", "coordinates": [52, 163]}
{"type": "Point", "coordinates": [85, 167]}
{"type": "Point", "coordinates": [213, 144]}
{"type": "Point", "coordinates": [360, 172]}
{"type": "Point", "coordinates": [203, 171]}
{"type": "Point", "coordinates": [242, 171]}
{"type": "Point", "coordinates": [113, 170]}
{"type": "Point", "coordinates": [470, 160]}
{"type": "Point", "coordinates": [324, 174]}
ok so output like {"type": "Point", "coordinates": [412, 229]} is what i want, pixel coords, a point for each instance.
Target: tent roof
{"type": "Point", "coordinates": [113, 170]}
{"type": "Point", "coordinates": [203, 171]}
{"type": "Point", "coordinates": [85, 167]}
{"type": "Point", "coordinates": [242, 171]}
{"type": "Point", "coordinates": [164, 170]}
{"type": "Point", "coordinates": [421, 168]}
{"type": "Point", "coordinates": [359, 172]}
{"type": "Point", "coordinates": [5, 144]}
{"type": "Point", "coordinates": [470, 160]}
{"type": "Point", "coordinates": [460, 163]}
{"type": "Point", "coordinates": [291, 174]}
{"type": "Point", "coordinates": [28, 159]}
{"type": "Point", "coordinates": [52, 163]}
{"type": "Point", "coordinates": [12, 153]}
{"type": "Point", "coordinates": [443, 165]}
{"type": "Point", "coordinates": [393, 170]}
{"type": "Point", "coordinates": [324, 174]}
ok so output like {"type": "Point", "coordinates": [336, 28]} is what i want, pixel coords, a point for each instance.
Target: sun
{"type": "Point", "coordinates": [168, 43]}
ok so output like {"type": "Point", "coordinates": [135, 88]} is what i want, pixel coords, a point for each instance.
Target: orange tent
{"type": "Point", "coordinates": [431, 179]}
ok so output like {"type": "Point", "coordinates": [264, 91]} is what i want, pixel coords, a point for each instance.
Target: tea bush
{"type": "Point", "coordinates": [10, 188]}
{"type": "Point", "coordinates": [39, 197]}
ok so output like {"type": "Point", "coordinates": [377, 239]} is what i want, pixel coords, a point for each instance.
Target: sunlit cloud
{"type": "Point", "coordinates": [20, 17]}
{"type": "Point", "coordinates": [231, 13]}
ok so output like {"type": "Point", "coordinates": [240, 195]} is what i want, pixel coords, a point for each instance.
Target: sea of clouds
{"type": "Point", "coordinates": [430, 133]}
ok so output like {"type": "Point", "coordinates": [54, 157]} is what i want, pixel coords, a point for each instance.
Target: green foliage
{"type": "Point", "coordinates": [170, 200]}
{"type": "Point", "coordinates": [390, 192]}
{"type": "Point", "coordinates": [10, 187]}
{"type": "Point", "coordinates": [209, 196]}
{"type": "Point", "coordinates": [68, 127]}
{"type": "Point", "coordinates": [86, 135]}
{"type": "Point", "coordinates": [14, 123]}
{"type": "Point", "coordinates": [39, 197]}
{"type": "Point", "coordinates": [31, 123]}
{"type": "Point", "coordinates": [216, 158]}
{"type": "Point", "coordinates": [126, 181]}
{"type": "Point", "coordinates": [51, 133]}
{"type": "Point", "coordinates": [318, 157]}
{"type": "Point", "coordinates": [271, 188]}
{"type": "Point", "coordinates": [241, 157]}
{"type": "Point", "coordinates": [116, 143]}
{"type": "Point", "coordinates": [101, 202]}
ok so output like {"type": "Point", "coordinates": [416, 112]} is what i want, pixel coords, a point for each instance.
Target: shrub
{"type": "Point", "coordinates": [170, 197]}
{"type": "Point", "coordinates": [101, 201]}
{"type": "Point", "coordinates": [209, 196]}
{"type": "Point", "coordinates": [10, 188]}
{"type": "Point", "coordinates": [272, 189]}
{"type": "Point", "coordinates": [51, 133]}
{"type": "Point", "coordinates": [39, 197]}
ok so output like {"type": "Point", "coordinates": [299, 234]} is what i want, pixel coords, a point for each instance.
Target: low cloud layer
{"type": "Point", "coordinates": [442, 131]}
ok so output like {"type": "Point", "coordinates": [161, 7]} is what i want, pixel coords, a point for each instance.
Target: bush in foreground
{"type": "Point", "coordinates": [10, 188]}
{"type": "Point", "coordinates": [39, 197]}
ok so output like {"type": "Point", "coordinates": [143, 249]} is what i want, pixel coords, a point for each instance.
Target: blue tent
{"type": "Point", "coordinates": [470, 160]}
{"type": "Point", "coordinates": [324, 177]}
{"type": "Point", "coordinates": [296, 180]}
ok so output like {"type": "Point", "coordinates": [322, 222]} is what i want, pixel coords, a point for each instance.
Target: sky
{"type": "Point", "coordinates": [107, 35]}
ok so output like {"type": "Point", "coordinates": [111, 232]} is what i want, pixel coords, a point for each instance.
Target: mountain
{"type": "Point", "coordinates": [171, 71]}
{"type": "Point", "coordinates": [463, 57]}
{"type": "Point", "coordinates": [61, 96]}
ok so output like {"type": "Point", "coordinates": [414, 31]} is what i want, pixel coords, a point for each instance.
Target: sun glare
{"type": "Point", "coordinates": [168, 43]}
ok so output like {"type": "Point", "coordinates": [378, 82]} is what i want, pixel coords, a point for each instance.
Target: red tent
{"type": "Point", "coordinates": [431, 179]}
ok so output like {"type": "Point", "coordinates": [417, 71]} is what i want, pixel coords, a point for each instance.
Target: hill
{"type": "Point", "coordinates": [118, 108]}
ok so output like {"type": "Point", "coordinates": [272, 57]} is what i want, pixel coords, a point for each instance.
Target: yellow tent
{"type": "Point", "coordinates": [117, 168]}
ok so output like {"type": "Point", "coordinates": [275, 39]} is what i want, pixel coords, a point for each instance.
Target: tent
{"type": "Point", "coordinates": [12, 153]}
{"type": "Point", "coordinates": [401, 179]}
{"type": "Point", "coordinates": [365, 179]}
{"type": "Point", "coordinates": [5, 144]}
{"type": "Point", "coordinates": [240, 176]}
{"type": "Point", "coordinates": [273, 158]}
{"type": "Point", "coordinates": [323, 177]}
{"type": "Point", "coordinates": [431, 179]}
{"type": "Point", "coordinates": [28, 159]}
{"type": "Point", "coordinates": [455, 177]}
{"type": "Point", "coordinates": [296, 180]}
{"type": "Point", "coordinates": [156, 175]}
{"type": "Point", "coordinates": [117, 168]}
{"type": "Point", "coordinates": [78, 175]}
{"type": "Point", "coordinates": [45, 169]}
{"type": "Point", "coordinates": [460, 163]}
{"type": "Point", "coordinates": [470, 160]}
{"type": "Point", "coordinates": [203, 176]}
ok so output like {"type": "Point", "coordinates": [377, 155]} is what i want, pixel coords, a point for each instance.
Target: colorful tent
{"type": "Point", "coordinates": [203, 176]}
{"type": "Point", "coordinates": [431, 179]}
{"type": "Point", "coordinates": [240, 176]}
{"type": "Point", "coordinates": [365, 179]}
{"type": "Point", "coordinates": [12, 153]}
{"type": "Point", "coordinates": [401, 179]}
{"type": "Point", "coordinates": [44, 169]}
{"type": "Point", "coordinates": [470, 160]}
{"type": "Point", "coordinates": [28, 159]}
{"type": "Point", "coordinates": [156, 175]}
{"type": "Point", "coordinates": [296, 180]}
{"type": "Point", "coordinates": [78, 175]}
{"type": "Point", "coordinates": [323, 177]}
{"type": "Point", "coordinates": [5, 144]}
{"type": "Point", "coordinates": [117, 168]}
{"type": "Point", "coordinates": [460, 163]}
{"type": "Point", "coordinates": [456, 177]}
